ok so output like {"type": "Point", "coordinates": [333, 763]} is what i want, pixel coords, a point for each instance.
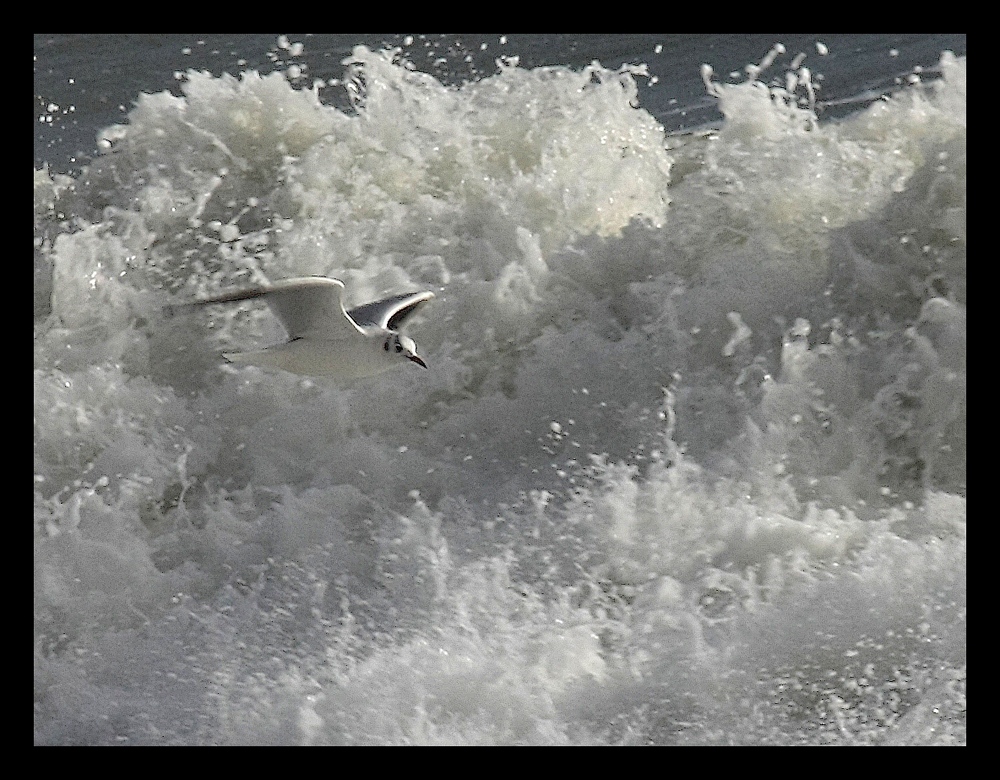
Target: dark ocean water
{"type": "Point", "coordinates": [95, 79]}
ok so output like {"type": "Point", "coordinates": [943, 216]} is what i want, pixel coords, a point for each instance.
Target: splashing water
{"type": "Point", "coordinates": [688, 466]}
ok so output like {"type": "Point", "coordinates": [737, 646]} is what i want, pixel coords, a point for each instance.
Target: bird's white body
{"type": "Point", "coordinates": [326, 340]}
{"type": "Point", "coordinates": [341, 358]}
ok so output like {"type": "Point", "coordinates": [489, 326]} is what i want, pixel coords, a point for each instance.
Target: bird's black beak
{"type": "Point", "coordinates": [418, 360]}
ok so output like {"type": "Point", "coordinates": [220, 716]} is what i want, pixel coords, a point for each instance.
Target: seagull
{"type": "Point", "coordinates": [324, 338]}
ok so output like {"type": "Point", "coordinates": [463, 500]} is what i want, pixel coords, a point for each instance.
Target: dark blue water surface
{"type": "Point", "coordinates": [93, 80]}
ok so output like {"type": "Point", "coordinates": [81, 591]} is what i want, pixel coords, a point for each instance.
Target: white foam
{"type": "Point", "coordinates": [532, 542]}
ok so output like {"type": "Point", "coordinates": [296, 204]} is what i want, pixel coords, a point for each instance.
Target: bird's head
{"type": "Point", "coordinates": [404, 347]}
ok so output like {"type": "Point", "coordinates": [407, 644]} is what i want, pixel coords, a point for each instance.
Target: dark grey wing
{"type": "Point", "coordinates": [245, 294]}
{"type": "Point", "coordinates": [308, 305]}
{"type": "Point", "coordinates": [389, 313]}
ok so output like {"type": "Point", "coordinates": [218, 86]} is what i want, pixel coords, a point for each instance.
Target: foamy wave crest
{"type": "Point", "coordinates": [688, 464]}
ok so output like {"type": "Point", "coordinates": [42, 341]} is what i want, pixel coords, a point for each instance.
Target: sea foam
{"type": "Point", "coordinates": [688, 466]}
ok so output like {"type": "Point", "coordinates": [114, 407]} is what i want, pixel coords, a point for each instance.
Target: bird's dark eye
{"type": "Point", "coordinates": [399, 347]}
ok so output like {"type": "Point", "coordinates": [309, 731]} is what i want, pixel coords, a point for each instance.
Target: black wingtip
{"type": "Point", "coordinates": [396, 321]}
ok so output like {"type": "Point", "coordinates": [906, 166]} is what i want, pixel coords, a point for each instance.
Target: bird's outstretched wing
{"type": "Point", "coordinates": [311, 305]}
{"type": "Point", "coordinates": [389, 313]}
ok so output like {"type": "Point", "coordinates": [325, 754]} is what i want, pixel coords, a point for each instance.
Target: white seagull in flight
{"type": "Point", "coordinates": [324, 338]}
